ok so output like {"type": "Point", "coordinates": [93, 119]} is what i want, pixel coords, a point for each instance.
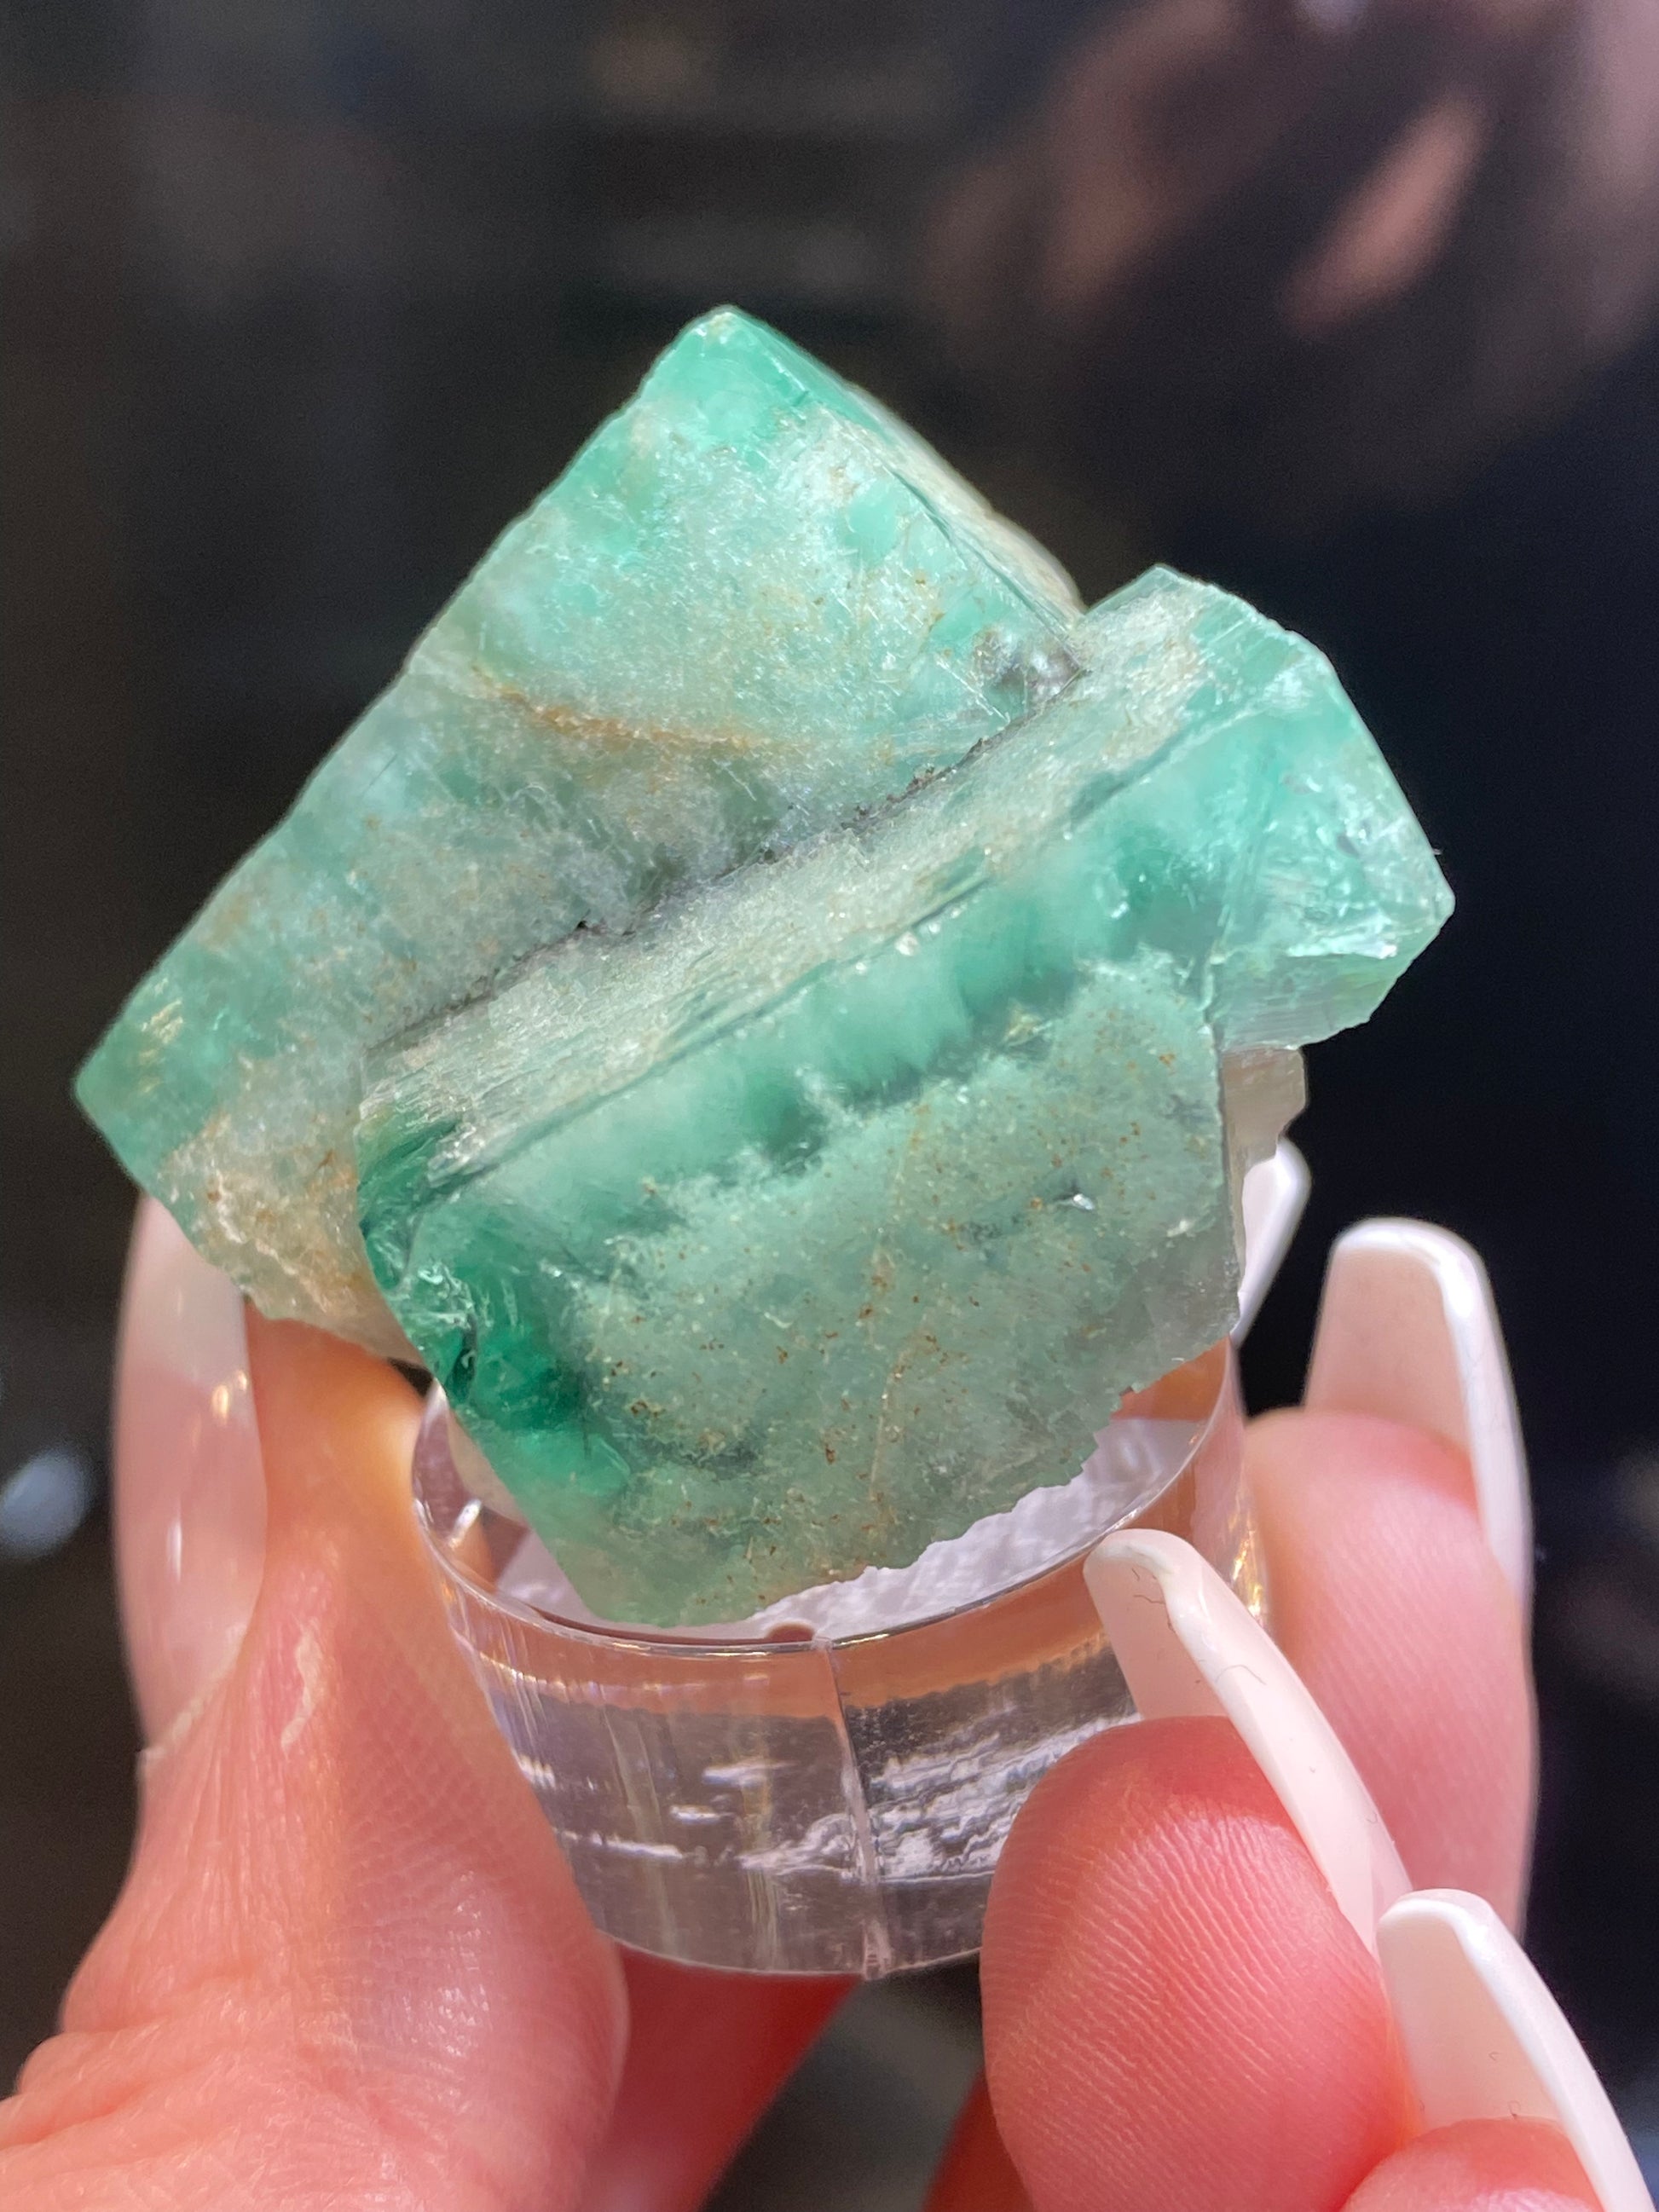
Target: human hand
{"type": "Point", "coordinates": [1276, 257]}
{"type": "Point", "coordinates": [1184, 2005]}
{"type": "Point", "coordinates": [349, 1967]}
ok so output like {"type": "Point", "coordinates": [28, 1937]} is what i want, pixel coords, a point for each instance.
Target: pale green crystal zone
{"type": "Point", "coordinates": [754, 604]}
{"type": "Point", "coordinates": [837, 1207]}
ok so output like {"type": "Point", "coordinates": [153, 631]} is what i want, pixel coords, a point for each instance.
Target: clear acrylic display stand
{"type": "Point", "coordinates": [825, 1790]}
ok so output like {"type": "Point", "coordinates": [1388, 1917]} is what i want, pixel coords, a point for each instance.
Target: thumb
{"type": "Point", "coordinates": [348, 1966]}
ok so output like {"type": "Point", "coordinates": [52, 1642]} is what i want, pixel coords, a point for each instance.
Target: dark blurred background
{"type": "Point", "coordinates": [1349, 306]}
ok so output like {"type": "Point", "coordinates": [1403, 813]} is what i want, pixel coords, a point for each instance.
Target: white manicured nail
{"type": "Point", "coordinates": [1189, 1648]}
{"type": "Point", "coordinates": [1408, 1329]}
{"type": "Point", "coordinates": [190, 1492]}
{"type": "Point", "coordinates": [1485, 2040]}
{"type": "Point", "coordinates": [1275, 1193]}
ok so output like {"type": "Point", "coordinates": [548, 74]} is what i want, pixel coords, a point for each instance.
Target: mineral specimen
{"type": "Point", "coordinates": [754, 604]}
{"type": "Point", "coordinates": [774, 1004]}
{"type": "Point", "coordinates": [836, 1205]}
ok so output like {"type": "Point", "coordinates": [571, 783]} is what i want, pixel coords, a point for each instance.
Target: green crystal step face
{"type": "Point", "coordinates": [837, 1205]}
{"type": "Point", "coordinates": [754, 604]}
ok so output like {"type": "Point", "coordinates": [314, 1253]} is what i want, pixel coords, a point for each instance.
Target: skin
{"type": "Point", "coordinates": [1281, 257]}
{"type": "Point", "coordinates": [349, 1969]}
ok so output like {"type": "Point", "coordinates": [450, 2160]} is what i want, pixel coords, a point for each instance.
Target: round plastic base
{"type": "Point", "coordinates": [800, 1803]}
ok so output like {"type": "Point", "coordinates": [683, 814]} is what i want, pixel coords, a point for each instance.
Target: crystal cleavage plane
{"type": "Point", "coordinates": [773, 1003]}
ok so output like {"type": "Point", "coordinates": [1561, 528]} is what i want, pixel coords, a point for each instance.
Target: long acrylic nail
{"type": "Point", "coordinates": [1483, 2038]}
{"type": "Point", "coordinates": [190, 1498]}
{"type": "Point", "coordinates": [1408, 1329]}
{"type": "Point", "coordinates": [1274, 1195]}
{"type": "Point", "coordinates": [1189, 1648]}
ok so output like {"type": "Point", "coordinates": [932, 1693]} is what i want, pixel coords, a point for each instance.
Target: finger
{"type": "Point", "coordinates": [1395, 223]}
{"type": "Point", "coordinates": [977, 2173]}
{"type": "Point", "coordinates": [1391, 1608]}
{"type": "Point", "coordinates": [1483, 2038]}
{"type": "Point", "coordinates": [1177, 2011]}
{"type": "Point", "coordinates": [707, 2053]}
{"type": "Point", "coordinates": [348, 1966]}
{"type": "Point", "coordinates": [1480, 2035]}
{"type": "Point", "coordinates": [1394, 1555]}
{"type": "Point", "coordinates": [1480, 2166]}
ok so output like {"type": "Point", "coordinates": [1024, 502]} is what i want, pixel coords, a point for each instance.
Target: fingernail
{"type": "Point", "coordinates": [1189, 1648]}
{"type": "Point", "coordinates": [1408, 1329]}
{"type": "Point", "coordinates": [1275, 1193]}
{"type": "Point", "coordinates": [190, 1498]}
{"type": "Point", "coordinates": [1483, 2038]}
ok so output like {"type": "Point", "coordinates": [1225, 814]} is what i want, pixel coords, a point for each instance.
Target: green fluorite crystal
{"type": "Point", "coordinates": [754, 604]}
{"type": "Point", "coordinates": [836, 1205]}
{"type": "Point", "coordinates": [774, 1003]}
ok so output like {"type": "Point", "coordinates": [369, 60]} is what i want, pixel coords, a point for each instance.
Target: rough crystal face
{"type": "Point", "coordinates": [753, 604]}
{"type": "Point", "coordinates": [774, 1003]}
{"type": "Point", "coordinates": [837, 1205]}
